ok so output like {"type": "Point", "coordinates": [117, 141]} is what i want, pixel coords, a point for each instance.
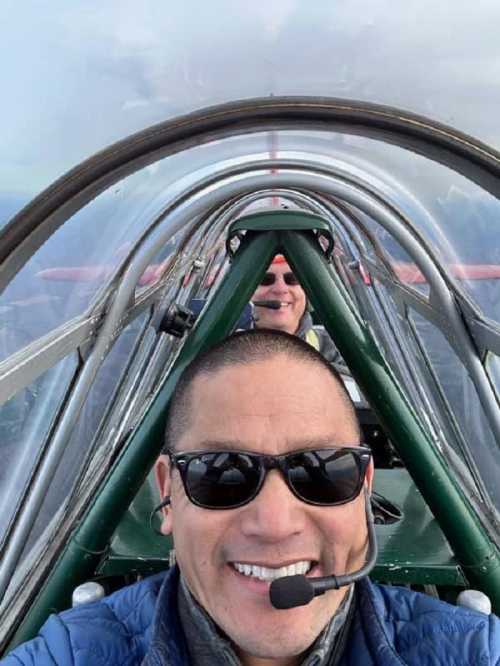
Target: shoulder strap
{"type": "Point", "coordinates": [313, 339]}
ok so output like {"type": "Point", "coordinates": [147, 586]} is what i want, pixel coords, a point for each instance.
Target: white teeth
{"type": "Point", "coordinates": [269, 574]}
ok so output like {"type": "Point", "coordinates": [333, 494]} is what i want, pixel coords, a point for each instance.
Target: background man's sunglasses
{"type": "Point", "coordinates": [230, 479]}
{"type": "Point", "coordinates": [270, 278]}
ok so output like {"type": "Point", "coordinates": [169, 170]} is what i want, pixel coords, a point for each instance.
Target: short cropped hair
{"type": "Point", "coordinates": [243, 348]}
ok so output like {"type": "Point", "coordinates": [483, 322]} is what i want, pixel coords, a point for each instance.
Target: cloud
{"type": "Point", "coordinates": [79, 76]}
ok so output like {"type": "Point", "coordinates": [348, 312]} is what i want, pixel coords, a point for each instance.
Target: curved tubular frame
{"type": "Point", "coordinates": [240, 171]}
{"type": "Point", "coordinates": [353, 231]}
{"type": "Point", "coordinates": [30, 228]}
{"type": "Point", "coordinates": [466, 155]}
{"type": "Point", "coordinates": [85, 547]}
{"type": "Point", "coordinates": [476, 552]}
{"type": "Point", "coordinates": [301, 175]}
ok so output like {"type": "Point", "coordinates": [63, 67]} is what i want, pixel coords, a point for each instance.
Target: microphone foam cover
{"type": "Point", "coordinates": [291, 591]}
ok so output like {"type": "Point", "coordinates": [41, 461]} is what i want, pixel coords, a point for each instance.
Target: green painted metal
{"type": "Point", "coordinates": [478, 556]}
{"type": "Point", "coordinates": [279, 220]}
{"type": "Point", "coordinates": [138, 547]}
{"type": "Point", "coordinates": [83, 552]}
{"type": "Point", "coordinates": [413, 550]}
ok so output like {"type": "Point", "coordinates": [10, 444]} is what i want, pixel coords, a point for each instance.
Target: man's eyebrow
{"type": "Point", "coordinates": [242, 445]}
{"type": "Point", "coordinates": [218, 444]}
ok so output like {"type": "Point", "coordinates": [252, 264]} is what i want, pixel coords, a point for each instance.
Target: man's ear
{"type": "Point", "coordinates": [163, 481]}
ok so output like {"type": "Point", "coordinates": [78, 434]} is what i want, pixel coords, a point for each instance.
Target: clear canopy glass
{"type": "Point", "coordinates": [87, 75]}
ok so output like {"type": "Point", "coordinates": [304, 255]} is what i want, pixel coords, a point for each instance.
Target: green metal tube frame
{"type": "Point", "coordinates": [476, 553]}
{"type": "Point", "coordinates": [80, 557]}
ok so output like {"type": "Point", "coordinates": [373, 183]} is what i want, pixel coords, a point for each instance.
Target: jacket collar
{"type": "Point", "coordinates": [305, 324]}
{"type": "Point", "coordinates": [372, 617]}
{"type": "Point", "coordinates": [180, 621]}
{"type": "Point", "coordinates": [168, 644]}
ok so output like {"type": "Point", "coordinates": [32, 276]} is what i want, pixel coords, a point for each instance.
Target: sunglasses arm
{"type": "Point", "coordinates": [292, 591]}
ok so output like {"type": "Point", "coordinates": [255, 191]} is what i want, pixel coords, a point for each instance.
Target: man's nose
{"type": "Point", "coordinates": [279, 285]}
{"type": "Point", "coordinates": [275, 514]}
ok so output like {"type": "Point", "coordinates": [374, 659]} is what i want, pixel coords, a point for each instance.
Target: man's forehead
{"type": "Point", "coordinates": [286, 396]}
{"type": "Point", "coordinates": [269, 370]}
{"type": "Point", "coordinates": [282, 267]}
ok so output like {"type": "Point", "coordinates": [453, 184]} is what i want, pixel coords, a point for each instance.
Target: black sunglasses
{"type": "Point", "coordinates": [230, 479]}
{"type": "Point", "coordinates": [270, 278]}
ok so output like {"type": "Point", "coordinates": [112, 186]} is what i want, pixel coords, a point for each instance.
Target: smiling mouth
{"type": "Point", "coordinates": [268, 574]}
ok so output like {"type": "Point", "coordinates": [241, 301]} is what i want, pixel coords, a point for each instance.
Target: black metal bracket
{"type": "Point", "coordinates": [177, 320]}
{"type": "Point", "coordinates": [281, 220]}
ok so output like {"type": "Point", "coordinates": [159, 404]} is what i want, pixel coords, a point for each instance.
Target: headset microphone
{"type": "Point", "coordinates": [292, 591]}
{"type": "Point", "coordinates": [271, 305]}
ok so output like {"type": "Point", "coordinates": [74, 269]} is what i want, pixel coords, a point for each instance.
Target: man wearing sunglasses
{"type": "Point", "coordinates": [280, 285]}
{"type": "Point", "coordinates": [263, 477]}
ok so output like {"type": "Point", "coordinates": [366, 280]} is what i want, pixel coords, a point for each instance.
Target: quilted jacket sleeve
{"type": "Point", "coordinates": [37, 651]}
{"type": "Point", "coordinates": [494, 637]}
{"type": "Point", "coordinates": [112, 632]}
{"type": "Point", "coordinates": [418, 629]}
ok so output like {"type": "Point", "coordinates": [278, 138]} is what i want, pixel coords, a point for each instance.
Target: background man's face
{"type": "Point", "coordinates": [274, 406]}
{"type": "Point", "coordinates": [293, 301]}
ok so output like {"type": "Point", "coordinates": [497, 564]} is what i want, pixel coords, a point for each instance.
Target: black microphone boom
{"type": "Point", "coordinates": [272, 305]}
{"type": "Point", "coordinates": [292, 591]}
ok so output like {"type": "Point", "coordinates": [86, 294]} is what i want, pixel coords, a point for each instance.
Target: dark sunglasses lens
{"type": "Point", "coordinates": [325, 477]}
{"type": "Point", "coordinates": [268, 280]}
{"type": "Point", "coordinates": [221, 480]}
{"type": "Point", "coordinates": [290, 279]}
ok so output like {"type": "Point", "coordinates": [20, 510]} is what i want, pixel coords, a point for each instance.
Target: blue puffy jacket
{"type": "Point", "coordinates": [391, 627]}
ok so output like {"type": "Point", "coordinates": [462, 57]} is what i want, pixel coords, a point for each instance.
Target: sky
{"type": "Point", "coordinates": [78, 76]}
